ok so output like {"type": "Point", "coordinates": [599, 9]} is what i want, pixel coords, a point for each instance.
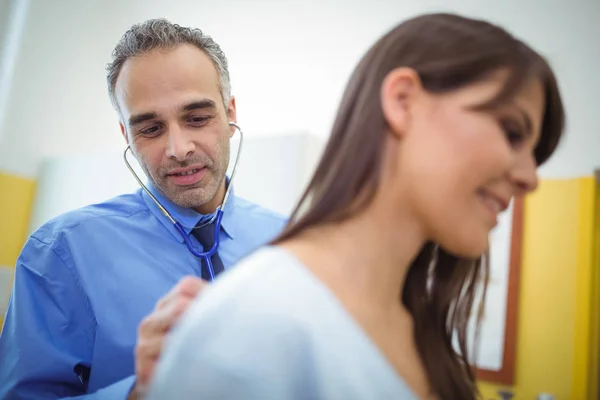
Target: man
{"type": "Point", "coordinates": [85, 281]}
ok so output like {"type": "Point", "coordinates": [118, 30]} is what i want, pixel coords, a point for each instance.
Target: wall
{"type": "Point", "coordinates": [289, 64]}
{"type": "Point", "coordinates": [594, 351]}
{"type": "Point", "coordinates": [16, 196]}
{"type": "Point", "coordinates": [13, 15]}
{"type": "Point", "coordinates": [5, 6]}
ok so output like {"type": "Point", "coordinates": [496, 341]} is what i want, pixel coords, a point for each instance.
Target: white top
{"type": "Point", "coordinates": [269, 329]}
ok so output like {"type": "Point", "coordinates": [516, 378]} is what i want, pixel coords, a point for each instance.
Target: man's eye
{"type": "Point", "coordinates": [198, 121]}
{"type": "Point", "coordinates": [154, 130]}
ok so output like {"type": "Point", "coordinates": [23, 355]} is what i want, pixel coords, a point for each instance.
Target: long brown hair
{"type": "Point", "coordinates": [448, 52]}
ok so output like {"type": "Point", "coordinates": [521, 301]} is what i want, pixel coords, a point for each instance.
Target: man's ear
{"type": "Point", "coordinates": [399, 90]}
{"type": "Point", "coordinates": [231, 115]}
{"type": "Point", "coordinates": [124, 132]}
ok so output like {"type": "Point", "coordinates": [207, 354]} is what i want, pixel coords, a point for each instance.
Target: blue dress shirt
{"type": "Point", "coordinates": [85, 280]}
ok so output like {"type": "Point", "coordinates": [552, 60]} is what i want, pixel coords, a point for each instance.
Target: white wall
{"type": "Point", "coordinates": [5, 6]}
{"type": "Point", "coordinates": [13, 17]}
{"type": "Point", "coordinates": [289, 63]}
{"type": "Point", "coordinates": [6, 280]}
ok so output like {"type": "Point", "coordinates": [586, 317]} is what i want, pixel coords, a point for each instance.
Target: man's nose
{"type": "Point", "coordinates": [180, 146]}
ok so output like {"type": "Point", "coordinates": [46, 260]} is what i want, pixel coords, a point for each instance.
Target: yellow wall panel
{"type": "Point", "coordinates": [16, 197]}
{"type": "Point", "coordinates": [594, 360]}
{"type": "Point", "coordinates": [584, 290]}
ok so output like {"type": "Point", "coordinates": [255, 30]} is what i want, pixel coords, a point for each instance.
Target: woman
{"type": "Point", "coordinates": [443, 122]}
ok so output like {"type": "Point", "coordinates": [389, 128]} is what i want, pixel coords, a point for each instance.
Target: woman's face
{"type": "Point", "coordinates": [457, 168]}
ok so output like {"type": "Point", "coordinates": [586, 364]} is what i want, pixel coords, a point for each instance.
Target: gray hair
{"type": "Point", "coordinates": [161, 34]}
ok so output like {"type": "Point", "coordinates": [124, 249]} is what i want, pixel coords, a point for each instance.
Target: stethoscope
{"type": "Point", "coordinates": [216, 218]}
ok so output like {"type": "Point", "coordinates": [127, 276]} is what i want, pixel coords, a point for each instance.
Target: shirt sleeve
{"type": "Point", "coordinates": [233, 350]}
{"type": "Point", "coordinates": [48, 330]}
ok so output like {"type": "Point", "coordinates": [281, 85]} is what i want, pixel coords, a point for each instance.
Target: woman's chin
{"type": "Point", "coordinates": [470, 249]}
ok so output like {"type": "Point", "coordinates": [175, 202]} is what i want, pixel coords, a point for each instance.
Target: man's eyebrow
{"type": "Point", "coordinates": [139, 118]}
{"type": "Point", "coordinates": [195, 105]}
{"type": "Point", "coordinates": [198, 105]}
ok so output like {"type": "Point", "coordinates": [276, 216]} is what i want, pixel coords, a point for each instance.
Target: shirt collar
{"type": "Point", "coordinates": [187, 217]}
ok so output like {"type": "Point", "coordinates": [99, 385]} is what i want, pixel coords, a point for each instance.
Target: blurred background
{"type": "Point", "coordinates": [61, 148]}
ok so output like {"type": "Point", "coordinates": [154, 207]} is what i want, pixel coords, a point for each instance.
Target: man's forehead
{"type": "Point", "coordinates": [182, 72]}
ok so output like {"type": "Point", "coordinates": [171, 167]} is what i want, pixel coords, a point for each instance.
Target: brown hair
{"type": "Point", "coordinates": [448, 52]}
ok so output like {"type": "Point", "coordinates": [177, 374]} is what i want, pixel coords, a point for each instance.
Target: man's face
{"type": "Point", "coordinates": [173, 116]}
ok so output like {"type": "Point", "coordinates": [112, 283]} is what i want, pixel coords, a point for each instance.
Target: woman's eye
{"type": "Point", "coordinates": [513, 134]}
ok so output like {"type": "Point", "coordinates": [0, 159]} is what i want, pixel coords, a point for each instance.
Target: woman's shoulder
{"type": "Point", "coordinates": [269, 282]}
{"type": "Point", "coordinates": [243, 337]}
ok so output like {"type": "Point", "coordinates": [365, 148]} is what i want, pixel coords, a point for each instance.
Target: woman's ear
{"type": "Point", "coordinates": [400, 89]}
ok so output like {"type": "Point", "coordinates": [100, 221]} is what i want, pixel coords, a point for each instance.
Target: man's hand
{"type": "Point", "coordinates": [153, 329]}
